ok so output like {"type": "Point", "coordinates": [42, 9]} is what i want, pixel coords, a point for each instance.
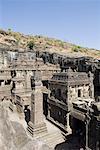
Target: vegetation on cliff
{"type": "Point", "coordinates": [16, 39]}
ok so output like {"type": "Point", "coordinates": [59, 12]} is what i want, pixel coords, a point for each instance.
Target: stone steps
{"type": "Point", "coordinates": [37, 131]}
{"type": "Point", "coordinates": [52, 139]}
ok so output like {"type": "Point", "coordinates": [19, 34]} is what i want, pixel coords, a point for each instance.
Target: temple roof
{"type": "Point", "coordinates": [71, 77]}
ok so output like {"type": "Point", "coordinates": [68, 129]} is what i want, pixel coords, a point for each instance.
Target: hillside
{"type": "Point", "coordinates": [18, 40]}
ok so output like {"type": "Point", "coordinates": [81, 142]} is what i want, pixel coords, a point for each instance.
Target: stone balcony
{"type": "Point", "coordinates": [78, 114]}
{"type": "Point", "coordinates": [5, 76]}
{"type": "Point", "coordinates": [5, 88]}
{"type": "Point", "coordinates": [25, 99]}
{"type": "Point", "coordinates": [57, 103]}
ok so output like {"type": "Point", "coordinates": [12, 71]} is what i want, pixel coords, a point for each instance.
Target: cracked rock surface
{"type": "Point", "coordinates": [13, 136]}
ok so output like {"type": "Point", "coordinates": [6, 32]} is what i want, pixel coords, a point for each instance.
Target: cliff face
{"type": "Point", "coordinates": [15, 40]}
{"type": "Point", "coordinates": [13, 136]}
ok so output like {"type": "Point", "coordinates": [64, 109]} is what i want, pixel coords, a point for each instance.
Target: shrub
{"type": "Point", "coordinates": [75, 49]}
{"type": "Point", "coordinates": [31, 44]}
{"type": "Point", "coordinates": [78, 46]}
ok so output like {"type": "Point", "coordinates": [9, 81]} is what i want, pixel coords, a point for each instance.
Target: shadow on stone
{"type": "Point", "coordinates": [71, 143]}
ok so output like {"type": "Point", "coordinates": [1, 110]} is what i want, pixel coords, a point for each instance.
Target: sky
{"type": "Point", "coordinates": [74, 21]}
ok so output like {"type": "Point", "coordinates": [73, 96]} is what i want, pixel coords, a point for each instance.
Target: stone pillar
{"type": "Point", "coordinates": [69, 99]}
{"type": "Point", "coordinates": [48, 115]}
{"type": "Point", "coordinates": [5, 60]}
{"type": "Point", "coordinates": [92, 91]}
{"type": "Point", "coordinates": [69, 102]}
{"type": "Point", "coordinates": [28, 78]}
{"type": "Point", "coordinates": [91, 85]}
{"type": "Point", "coordinates": [67, 126]}
{"type": "Point", "coordinates": [68, 123]}
{"type": "Point", "coordinates": [16, 85]}
{"type": "Point", "coordinates": [36, 126]}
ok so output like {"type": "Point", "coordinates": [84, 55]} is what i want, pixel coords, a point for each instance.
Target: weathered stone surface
{"type": "Point", "coordinates": [14, 137]}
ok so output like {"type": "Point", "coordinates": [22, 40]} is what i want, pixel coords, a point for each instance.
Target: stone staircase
{"type": "Point", "coordinates": [52, 139]}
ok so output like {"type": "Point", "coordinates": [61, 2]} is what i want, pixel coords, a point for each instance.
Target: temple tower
{"type": "Point", "coordinates": [36, 126]}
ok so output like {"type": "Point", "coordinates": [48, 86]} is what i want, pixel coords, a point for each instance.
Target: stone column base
{"type": "Point", "coordinates": [37, 130]}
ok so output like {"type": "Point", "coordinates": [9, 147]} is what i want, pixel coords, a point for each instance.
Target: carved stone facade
{"type": "Point", "coordinates": [15, 75]}
{"type": "Point", "coordinates": [66, 88]}
{"type": "Point", "coordinates": [85, 120]}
